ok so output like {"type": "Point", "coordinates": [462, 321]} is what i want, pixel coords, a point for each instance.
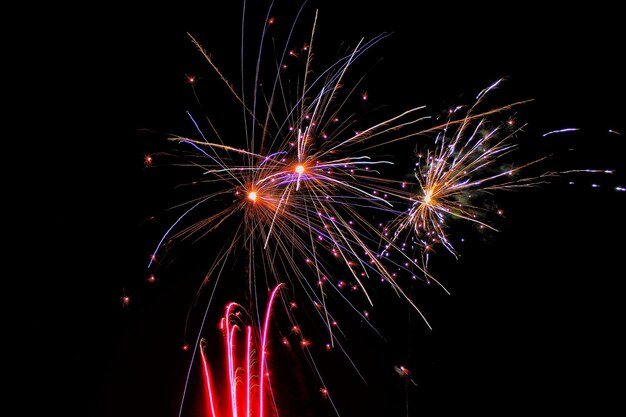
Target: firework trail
{"type": "Point", "coordinates": [240, 402]}
{"type": "Point", "coordinates": [247, 388]}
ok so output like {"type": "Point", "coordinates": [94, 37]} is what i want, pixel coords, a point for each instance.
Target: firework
{"type": "Point", "coordinates": [467, 161]}
{"type": "Point", "coordinates": [247, 388]}
{"type": "Point", "coordinates": [241, 395]}
{"type": "Point", "coordinates": [297, 189]}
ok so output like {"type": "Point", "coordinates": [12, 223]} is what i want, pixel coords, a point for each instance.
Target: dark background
{"type": "Point", "coordinates": [535, 319]}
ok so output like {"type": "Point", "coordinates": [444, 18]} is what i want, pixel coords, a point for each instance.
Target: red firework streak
{"type": "Point", "coordinates": [246, 393]}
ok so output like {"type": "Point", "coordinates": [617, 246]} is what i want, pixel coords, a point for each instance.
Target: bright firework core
{"type": "Point", "coordinates": [299, 169]}
{"type": "Point", "coordinates": [252, 195]}
{"type": "Point", "coordinates": [428, 196]}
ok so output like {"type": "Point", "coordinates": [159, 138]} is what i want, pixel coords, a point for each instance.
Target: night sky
{"type": "Point", "coordinates": [535, 320]}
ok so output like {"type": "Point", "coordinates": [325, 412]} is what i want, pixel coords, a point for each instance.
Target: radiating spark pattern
{"type": "Point", "coordinates": [298, 187]}
{"type": "Point", "coordinates": [465, 164]}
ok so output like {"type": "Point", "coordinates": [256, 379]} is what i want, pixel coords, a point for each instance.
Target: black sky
{"type": "Point", "coordinates": [535, 318]}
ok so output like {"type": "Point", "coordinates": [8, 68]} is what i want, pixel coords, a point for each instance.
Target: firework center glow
{"type": "Point", "coordinates": [252, 195]}
{"type": "Point", "coordinates": [299, 169]}
{"type": "Point", "coordinates": [428, 196]}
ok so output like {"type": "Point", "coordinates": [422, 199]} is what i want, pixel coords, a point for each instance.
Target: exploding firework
{"type": "Point", "coordinates": [466, 162]}
{"type": "Point", "coordinates": [296, 192]}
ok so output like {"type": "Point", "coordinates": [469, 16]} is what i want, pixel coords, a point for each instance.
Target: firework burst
{"type": "Point", "coordinates": [466, 162]}
{"type": "Point", "coordinates": [297, 188]}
